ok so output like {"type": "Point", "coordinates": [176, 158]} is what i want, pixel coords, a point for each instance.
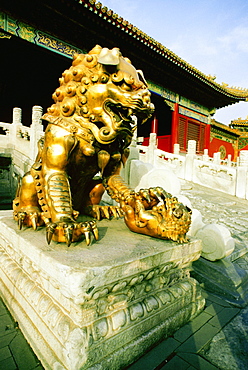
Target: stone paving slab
{"type": "Point", "coordinates": [188, 330]}
{"type": "Point", "coordinates": [154, 358]}
{"type": "Point", "coordinates": [228, 277]}
{"type": "Point", "coordinates": [224, 209]}
{"type": "Point", "coordinates": [199, 340]}
{"type": "Point", "coordinates": [190, 347]}
{"type": "Point", "coordinates": [196, 362]}
{"type": "Point", "coordinates": [229, 348]}
{"type": "Point", "coordinates": [15, 352]}
{"type": "Point", "coordinates": [8, 364]}
{"type": "Point", "coordinates": [176, 363]}
{"type": "Point", "coordinates": [227, 314]}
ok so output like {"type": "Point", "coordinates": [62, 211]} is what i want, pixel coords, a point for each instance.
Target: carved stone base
{"type": "Point", "coordinates": [97, 307]}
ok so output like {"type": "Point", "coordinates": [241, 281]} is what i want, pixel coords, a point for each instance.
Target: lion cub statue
{"type": "Point", "coordinates": [90, 126]}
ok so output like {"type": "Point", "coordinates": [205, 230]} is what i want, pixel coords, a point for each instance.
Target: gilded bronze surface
{"type": "Point", "coordinates": [90, 126]}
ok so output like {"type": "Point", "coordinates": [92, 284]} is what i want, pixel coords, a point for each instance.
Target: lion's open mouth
{"type": "Point", "coordinates": [119, 112]}
{"type": "Point", "coordinates": [125, 116]}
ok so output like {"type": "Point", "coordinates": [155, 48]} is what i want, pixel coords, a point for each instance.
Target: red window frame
{"type": "Point", "coordinates": [190, 129]}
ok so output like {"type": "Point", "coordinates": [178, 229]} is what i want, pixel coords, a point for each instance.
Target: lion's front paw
{"type": "Point", "coordinates": [100, 212]}
{"type": "Point", "coordinates": [69, 232]}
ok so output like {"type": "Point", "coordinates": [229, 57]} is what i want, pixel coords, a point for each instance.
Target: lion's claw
{"type": "Point", "coordinates": [105, 212]}
{"type": "Point", "coordinates": [144, 193]}
{"type": "Point", "coordinates": [66, 230]}
{"type": "Point", "coordinates": [86, 229]}
{"type": "Point", "coordinates": [152, 196]}
{"type": "Point", "coordinates": [50, 229]}
{"type": "Point", "coordinates": [28, 216]}
{"type": "Point", "coordinates": [20, 219]}
{"type": "Point", "coordinates": [114, 212]}
{"type": "Point", "coordinates": [100, 212]}
{"type": "Point", "coordinates": [34, 219]}
{"type": "Point", "coordinates": [94, 229]}
{"type": "Point", "coordinates": [69, 231]}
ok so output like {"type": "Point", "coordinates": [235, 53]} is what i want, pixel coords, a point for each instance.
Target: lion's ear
{"type": "Point", "coordinates": [109, 57]}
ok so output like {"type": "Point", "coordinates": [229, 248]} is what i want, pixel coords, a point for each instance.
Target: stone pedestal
{"type": "Point", "coordinates": [96, 307]}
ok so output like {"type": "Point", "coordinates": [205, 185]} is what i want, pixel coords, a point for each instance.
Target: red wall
{"type": "Point", "coordinates": [215, 144]}
{"type": "Point", "coordinates": [164, 143]}
{"type": "Point", "coordinates": [146, 141]}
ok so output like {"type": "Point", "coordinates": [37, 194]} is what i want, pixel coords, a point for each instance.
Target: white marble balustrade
{"type": "Point", "coordinates": [224, 175]}
{"type": "Point", "coordinates": [20, 141]}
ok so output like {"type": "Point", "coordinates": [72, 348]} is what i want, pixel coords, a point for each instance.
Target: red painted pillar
{"type": "Point", "coordinates": [207, 136]}
{"type": "Point", "coordinates": [174, 127]}
{"type": "Point", "coordinates": [154, 126]}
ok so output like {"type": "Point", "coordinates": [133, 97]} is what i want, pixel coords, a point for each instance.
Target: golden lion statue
{"type": "Point", "coordinates": [90, 127]}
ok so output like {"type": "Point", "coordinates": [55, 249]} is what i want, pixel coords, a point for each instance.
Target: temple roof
{"type": "Point", "coordinates": [84, 23]}
{"type": "Point", "coordinates": [239, 122]}
{"type": "Point", "coordinates": [125, 26]}
{"type": "Point", "coordinates": [215, 125]}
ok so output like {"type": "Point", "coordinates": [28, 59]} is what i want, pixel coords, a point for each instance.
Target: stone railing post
{"type": "Point", "coordinates": [243, 158]}
{"type": "Point", "coordinates": [205, 156]}
{"type": "Point", "coordinates": [216, 158]}
{"type": "Point", "coordinates": [189, 162]}
{"type": "Point", "coordinates": [176, 149]}
{"type": "Point", "coordinates": [241, 180]}
{"type": "Point", "coordinates": [133, 155]}
{"type": "Point", "coordinates": [37, 112]}
{"type": "Point", "coordinates": [17, 116]}
{"type": "Point", "coordinates": [191, 149]}
{"type": "Point", "coordinates": [35, 129]}
{"type": "Point", "coordinates": [16, 123]}
{"type": "Point", "coordinates": [229, 159]}
{"type": "Point", "coordinates": [151, 147]}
